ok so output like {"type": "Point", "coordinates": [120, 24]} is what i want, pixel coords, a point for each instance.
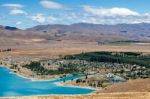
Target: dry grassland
{"type": "Point", "coordinates": [94, 96]}
{"type": "Point", "coordinates": [63, 48]}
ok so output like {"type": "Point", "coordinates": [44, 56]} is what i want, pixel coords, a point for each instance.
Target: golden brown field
{"type": "Point", "coordinates": [55, 49]}
{"type": "Point", "coordinates": [138, 85]}
{"type": "Point", "coordinates": [93, 96]}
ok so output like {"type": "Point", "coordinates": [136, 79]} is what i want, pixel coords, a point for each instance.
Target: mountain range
{"type": "Point", "coordinates": [81, 31]}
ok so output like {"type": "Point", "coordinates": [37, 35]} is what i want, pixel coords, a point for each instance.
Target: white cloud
{"type": "Point", "coordinates": [17, 11]}
{"type": "Point", "coordinates": [40, 18]}
{"type": "Point", "coordinates": [51, 4]}
{"type": "Point", "coordinates": [13, 5]}
{"type": "Point", "coordinates": [112, 12]}
{"type": "Point", "coordinates": [18, 23]}
{"type": "Point", "coordinates": [51, 19]}
{"type": "Point", "coordinates": [43, 19]}
{"type": "Point", "coordinates": [113, 15]}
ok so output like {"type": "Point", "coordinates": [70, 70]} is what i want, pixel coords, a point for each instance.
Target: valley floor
{"type": "Point", "coordinates": [137, 89]}
{"type": "Point", "coordinates": [53, 49]}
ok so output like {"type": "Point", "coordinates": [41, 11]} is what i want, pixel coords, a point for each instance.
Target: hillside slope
{"type": "Point", "coordinates": [81, 32]}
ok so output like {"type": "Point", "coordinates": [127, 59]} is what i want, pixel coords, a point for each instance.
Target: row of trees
{"type": "Point", "coordinates": [63, 69]}
{"type": "Point", "coordinates": [5, 50]}
{"type": "Point", "coordinates": [127, 57]}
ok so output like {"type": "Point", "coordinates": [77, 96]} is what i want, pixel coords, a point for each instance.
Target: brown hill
{"type": "Point", "coordinates": [81, 32]}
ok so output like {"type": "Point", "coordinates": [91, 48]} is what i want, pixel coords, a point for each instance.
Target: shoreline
{"type": "Point", "coordinates": [85, 87]}
{"type": "Point", "coordinates": [25, 77]}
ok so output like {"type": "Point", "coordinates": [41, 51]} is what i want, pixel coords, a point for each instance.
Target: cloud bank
{"type": "Point", "coordinates": [58, 13]}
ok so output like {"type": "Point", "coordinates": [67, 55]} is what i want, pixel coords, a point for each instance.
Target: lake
{"type": "Point", "coordinates": [14, 85]}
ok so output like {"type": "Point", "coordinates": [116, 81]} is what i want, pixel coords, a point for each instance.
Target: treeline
{"type": "Point", "coordinates": [113, 57]}
{"type": "Point", "coordinates": [40, 70]}
{"type": "Point", "coordinates": [6, 50]}
{"type": "Point", "coordinates": [120, 42]}
{"type": "Point", "coordinates": [37, 68]}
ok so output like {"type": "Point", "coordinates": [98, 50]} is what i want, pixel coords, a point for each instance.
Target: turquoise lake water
{"type": "Point", "coordinates": [13, 85]}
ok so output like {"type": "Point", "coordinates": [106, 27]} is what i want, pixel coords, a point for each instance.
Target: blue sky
{"type": "Point", "coordinates": [28, 13]}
